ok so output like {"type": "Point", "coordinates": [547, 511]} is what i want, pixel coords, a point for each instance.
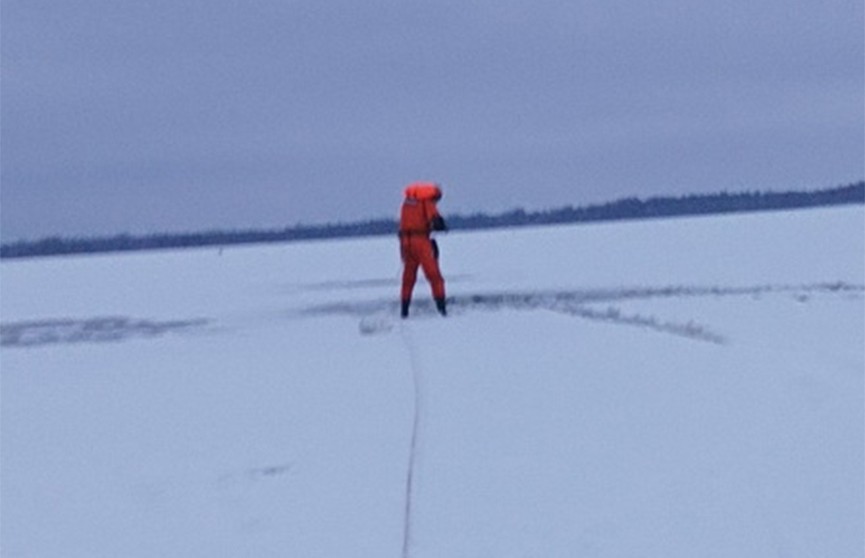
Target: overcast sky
{"type": "Point", "coordinates": [175, 115]}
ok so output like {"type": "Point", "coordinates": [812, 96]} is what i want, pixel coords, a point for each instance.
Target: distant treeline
{"type": "Point", "coordinates": [629, 208]}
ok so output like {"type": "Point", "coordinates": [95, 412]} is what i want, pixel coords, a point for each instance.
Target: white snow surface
{"type": "Point", "coordinates": [664, 388]}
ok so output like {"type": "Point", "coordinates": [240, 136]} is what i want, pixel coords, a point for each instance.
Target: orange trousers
{"type": "Point", "coordinates": [417, 251]}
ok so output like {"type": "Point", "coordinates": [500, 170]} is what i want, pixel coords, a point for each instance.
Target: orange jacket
{"type": "Point", "coordinates": [419, 209]}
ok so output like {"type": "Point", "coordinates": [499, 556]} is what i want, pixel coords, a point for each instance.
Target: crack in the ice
{"type": "Point", "coordinates": [581, 303]}
{"type": "Point", "coordinates": [91, 330]}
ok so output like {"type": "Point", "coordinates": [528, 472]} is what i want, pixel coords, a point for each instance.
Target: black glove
{"type": "Point", "coordinates": [438, 224]}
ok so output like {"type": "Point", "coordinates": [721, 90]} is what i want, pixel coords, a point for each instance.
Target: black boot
{"type": "Point", "coordinates": [440, 304]}
{"type": "Point", "coordinates": [404, 310]}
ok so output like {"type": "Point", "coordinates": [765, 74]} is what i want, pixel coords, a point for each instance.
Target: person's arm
{"type": "Point", "coordinates": [436, 221]}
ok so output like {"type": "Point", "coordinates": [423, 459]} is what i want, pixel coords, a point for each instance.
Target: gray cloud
{"type": "Point", "coordinates": [164, 115]}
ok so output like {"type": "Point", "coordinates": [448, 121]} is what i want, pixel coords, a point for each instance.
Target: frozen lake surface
{"type": "Point", "coordinates": [676, 388]}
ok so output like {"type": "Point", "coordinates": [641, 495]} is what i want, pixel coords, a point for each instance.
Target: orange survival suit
{"type": "Point", "coordinates": [418, 218]}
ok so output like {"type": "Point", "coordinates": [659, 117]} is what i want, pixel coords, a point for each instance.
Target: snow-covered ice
{"type": "Point", "coordinates": [672, 388]}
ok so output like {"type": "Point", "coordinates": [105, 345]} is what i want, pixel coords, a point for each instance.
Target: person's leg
{"type": "Point", "coordinates": [409, 277]}
{"type": "Point", "coordinates": [431, 270]}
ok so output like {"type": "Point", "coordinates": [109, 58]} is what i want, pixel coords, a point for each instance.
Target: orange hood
{"type": "Point", "coordinates": [423, 191]}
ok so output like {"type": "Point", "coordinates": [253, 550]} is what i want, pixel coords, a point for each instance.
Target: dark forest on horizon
{"type": "Point", "coordinates": [623, 209]}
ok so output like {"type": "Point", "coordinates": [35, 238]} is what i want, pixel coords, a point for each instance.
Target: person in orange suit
{"type": "Point", "coordinates": [418, 218]}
